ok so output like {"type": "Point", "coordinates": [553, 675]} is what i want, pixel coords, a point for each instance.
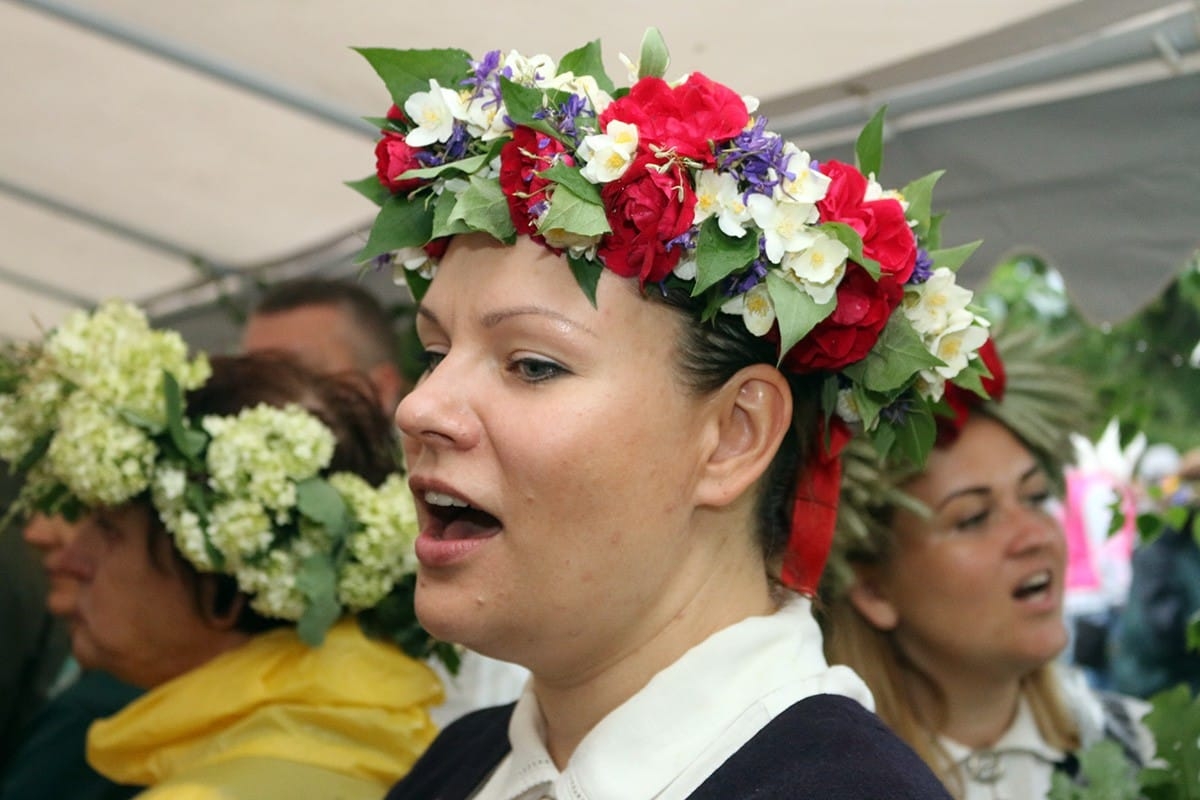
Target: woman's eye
{"type": "Point", "coordinates": [429, 359]}
{"type": "Point", "coordinates": [536, 370]}
{"type": "Point", "coordinates": [1042, 501]}
{"type": "Point", "coordinates": [973, 522]}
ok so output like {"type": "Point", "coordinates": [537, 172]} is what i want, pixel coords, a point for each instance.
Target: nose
{"type": "Point", "coordinates": [45, 533]}
{"type": "Point", "coordinates": [1034, 529]}
{"type": "Point", "coordinates": [438, 412]}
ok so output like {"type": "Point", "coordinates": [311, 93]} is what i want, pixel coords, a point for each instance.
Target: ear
{"type": "Point", "coordinates": [868, 594]}
{"type": "Point", "coordinates": [219, 619]}
{"type": "Point", "coordinates": [753, 412]}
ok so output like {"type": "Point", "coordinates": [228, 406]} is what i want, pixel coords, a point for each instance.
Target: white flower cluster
{"type": "Point", "coordinates": [434, 112]}
{"type": "Point", "coordinates": [381, 549]}
{"type": "Point", "coordinates": [92, 379]}
{"type": "Point", "coordinates": [260, 454]}
{"type": "Point", "coordinates": [939, 312]}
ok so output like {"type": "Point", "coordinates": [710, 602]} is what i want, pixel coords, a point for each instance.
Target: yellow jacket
{"type": "Point", "coordinates": [276, 719]}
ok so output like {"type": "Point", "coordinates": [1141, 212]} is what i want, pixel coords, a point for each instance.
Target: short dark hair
{"type": "Point", "coordinates": [377, 340]}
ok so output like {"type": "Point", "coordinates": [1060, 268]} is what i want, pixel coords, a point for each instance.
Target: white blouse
{"type": "Point", "coordinates": [1017, 767]}
{"type": "Point", "coordinates": [667, 739]}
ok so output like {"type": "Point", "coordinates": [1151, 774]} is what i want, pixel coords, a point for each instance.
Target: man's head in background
{"type": "Point", "coordinates": [332, 326]}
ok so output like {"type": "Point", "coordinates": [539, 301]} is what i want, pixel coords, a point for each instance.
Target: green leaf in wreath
{"type": "Point", "coordinates": [587, 275]}
{"type": "Point", "coordinates": [525, 104]}
{"type": "Point", "coordinates": [320, 502]}
{"type": "Point", "coordinates": [896, 357]}
{"type": "Point", "coordinates": [655, 57]}
{"type": "Point", "coordinates": [919, 196]}
{"type": "Point", "coordinates": [868, 149]}
{"type": "Point", "coordinates": [953, 257]}
{"type": "Point", "coordinates": [405, 72]}
{"type": "Point", "coordinates": [572, 178]}
{"type": "Point", "coordinates": [719, 255]}
{"type": "Point", "coordinates": [572, 214]}
{"type": "Point", "coordinates": [317, 582]}
{"type": "Point", "coordinates": [370, 188]}
{"type": "Point", "coordinates": [401, 222]}
{"type": "Point", "coordinates": [189, 441]}
{"type": "Point", "coordinates": [444, 221]}
{"type": "Point", "coordinates": [483, 207]}
{"type": "Point", "coordinates": [587, 60]}
{"type": "Point", "coordinates": [853, 242]}
{"type": "Point", "coordinates": [796, 312]}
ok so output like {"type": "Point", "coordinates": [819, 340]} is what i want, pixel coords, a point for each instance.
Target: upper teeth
{"type": "Point", "coordinates": [442, 499]}
{"type": "Point", "coordinates": [1037, 580]}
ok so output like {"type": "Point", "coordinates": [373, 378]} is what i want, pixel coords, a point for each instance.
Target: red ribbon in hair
{"type": "Point", "coordinates": [963, 401]}
{"type": "Point", "coordinates": [814, 513]}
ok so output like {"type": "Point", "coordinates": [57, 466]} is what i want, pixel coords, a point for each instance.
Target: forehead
{"type": "Point", "coordinates": [315, 334]}
{"type": "Point", "coordinates": [985, 454]}
{"type": "Point", "coordinates": [479, 277]}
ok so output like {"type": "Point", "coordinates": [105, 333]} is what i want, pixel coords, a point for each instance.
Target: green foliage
{"type": "Point", "coordinates": [720, 255]}
{"type": "Point", "coordinates": [654, 56]}
{"type": "Point", "coordinates": [1175, 723]}
{"type": "Point", "coordinates": [406, 72]}
{"type": "Point", "coordinates": [587, 60]}
{"type": "Point", "coordinates": [868, 149]}
{"type": "Point", "coordinates": [1138, 368]}
{"type": "Point", "coordinates": [1106, 773]}
{"type": "Point", "coordinates": [317, 581]}
{"type": "Point", "coordinates": [400, 223]}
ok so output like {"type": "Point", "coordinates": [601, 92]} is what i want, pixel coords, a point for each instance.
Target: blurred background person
{"type": "Point", "coordinates": [335, 326]}
{"type": "Point", "coordinates": [946, 589]}
{"type": "Point", "coordinates": [1151, 652]}
{"type": "Point", "coordinates": [242, 521]}
{"type": "Point", "coordinates": [49, 758]}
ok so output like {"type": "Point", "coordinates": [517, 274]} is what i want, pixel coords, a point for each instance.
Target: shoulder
{"type": "Point", "coordinates": [1107, 715]}
{"type": "Point", "coordinates": [460, 757]}
{"type": "Point", "coordinates": [828, 746]}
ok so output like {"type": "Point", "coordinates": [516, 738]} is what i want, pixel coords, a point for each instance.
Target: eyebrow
{"type": "Point", "coordinates": [494, 318]}
{"type": "Point", "coordinates": [970, 490]}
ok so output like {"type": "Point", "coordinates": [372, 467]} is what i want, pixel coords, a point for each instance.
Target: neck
{"type": "Point", "coordinates": [573, 701]}
{"type": "Point", "coordinates": [978, 708]}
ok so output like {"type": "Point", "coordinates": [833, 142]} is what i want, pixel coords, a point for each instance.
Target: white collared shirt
{"type": "Point", "coordinates": [689, 719]}
{"type": "Point", "coordinates": [1018, 766]}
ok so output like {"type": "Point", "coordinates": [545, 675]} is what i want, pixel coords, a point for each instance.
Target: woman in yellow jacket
{"type": "Point", "coordinates": [242, 527]}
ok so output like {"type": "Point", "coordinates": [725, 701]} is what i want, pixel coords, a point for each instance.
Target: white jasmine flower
{"type": "Point", "coordinates": [486, 118]}
{"type": "Point", "coordinates": [876, 192]}
{"type": "Point", "coordinates": [806, 185]}
{"type": "Point", "coordinates": [847, 408]}
{"type": "Point", "coordinates": [687, 267]}
{"type": "Point", "coordinates": [756, 308]}
{"type": "Point", "coordinates": [785, 225]}
{"type": "Point", "coordinates": [717, 195]}
{"type": "Point", "coordinates": [610, 153]}
{"type": "Point", "coordinates": [819, 268]}
{"type": "Point", "coordinates": [433, 113]}
{"type": "Point", "coordinates": [411, 259]}
{"type": "Point", "coordinates": [930, 305]}
{"type": "Point", "coordinates": [585, 86]}
{"type": "Point", "coordinates": [536, 70]}
{"type": "Point", "coordinates": [956, 348]}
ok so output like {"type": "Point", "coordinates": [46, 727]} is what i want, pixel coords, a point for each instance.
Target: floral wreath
{"type": "Point", "coordinates": [94, 416]}
{"type": "Point", "coordinates": [678, 184]}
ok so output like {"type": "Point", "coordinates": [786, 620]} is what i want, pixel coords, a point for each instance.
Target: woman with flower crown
{"type": "Point", "coordinates": [946, 583]}
{"type": "Point", "coordinates": [648, 323]}
{"type": "Point", "coordinates": [240, 523]}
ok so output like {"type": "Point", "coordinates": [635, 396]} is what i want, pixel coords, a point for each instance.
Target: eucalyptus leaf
{"type": "Point", "coordinates": [952, 258]}
{"type": "Point", "coordinates": [401, 222]}
{"type": "Point", "coordinates": [868, 149]}
{"type": "Point", "coordinates": [571, 213]}
{"type": "Point", "coordinates": [317, 582]}
{"type": "Point", "coordinates": [655, 57]}
{"type": "Point", "coordinates": [320, 502]}
{"type": "Point", "coordinates": [572, 178]}
{"type": "Point", "coordinates": [406, 72]}
{"type": "Point", "coordinates": [587, 275]}
{"type": "Point", "coordinates": [483, 207]}
{"type": "Point", "coordinates": [370, 188]}
{"type": "Point", "coordinates": [795, 311]}
{"type": "Point", "coordinates": [719, 255]}
{"type": "Point", "coordinates": [587, 60]}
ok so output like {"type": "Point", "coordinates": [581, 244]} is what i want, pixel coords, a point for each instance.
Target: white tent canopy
{"type": "Point", "coordinates": [168, 152]}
